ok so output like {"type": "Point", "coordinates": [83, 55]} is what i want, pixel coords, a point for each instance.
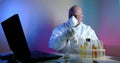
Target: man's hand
{"type": "Point", "coordinates": [69, 33]}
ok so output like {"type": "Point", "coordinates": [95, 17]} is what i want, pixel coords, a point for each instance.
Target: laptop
{"type": "Point", "coordinates": [17, 42]}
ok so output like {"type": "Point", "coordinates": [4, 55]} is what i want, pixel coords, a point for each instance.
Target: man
{"type": "Point", "coordinates": [71, 32]}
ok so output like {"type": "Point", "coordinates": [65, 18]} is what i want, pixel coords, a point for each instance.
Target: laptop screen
{"type": "Point", "coordinates": [16, 38]}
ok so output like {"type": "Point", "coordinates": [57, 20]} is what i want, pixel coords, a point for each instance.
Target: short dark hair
{"type": "Point", "coordinates": [71, 10]}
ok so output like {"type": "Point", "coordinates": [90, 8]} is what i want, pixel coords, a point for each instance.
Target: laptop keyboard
{"type": "Point", "coordinates": [43, 56]}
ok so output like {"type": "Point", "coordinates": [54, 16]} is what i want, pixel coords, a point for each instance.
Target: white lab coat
{"type": "Point", "coordinates": [58, 42]}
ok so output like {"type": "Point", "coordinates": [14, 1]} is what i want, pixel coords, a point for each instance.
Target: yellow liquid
{"type": "Point", "coordinates": [81, 52]}
{"type": "Point", "coordinates": [94, 53]}
{"type": "Point", "coordinates": [84, 52]}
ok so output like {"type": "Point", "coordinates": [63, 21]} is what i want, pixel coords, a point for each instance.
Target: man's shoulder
{"type": "Point", "coordinates": [60, 26]}
{"type": "Point", "coordinates": [85, 25]}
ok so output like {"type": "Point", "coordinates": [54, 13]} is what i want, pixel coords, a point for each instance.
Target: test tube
{"type": "Point", "coordinates": [84, 51]}
{"type": "Point", "coordinates": [94, 51]}
{"type": "Point", "coordinates": [81, 51]}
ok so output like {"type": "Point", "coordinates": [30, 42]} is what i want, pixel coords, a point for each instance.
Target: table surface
{"type": "Point", "coordinates": [74, 59]}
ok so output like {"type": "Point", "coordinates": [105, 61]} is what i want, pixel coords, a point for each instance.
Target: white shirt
{"type": "Point", "coordinates": [81, 31]}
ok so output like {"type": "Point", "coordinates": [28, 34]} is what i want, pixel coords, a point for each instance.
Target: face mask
{"type": "Point", "coordinates": [73, 21]}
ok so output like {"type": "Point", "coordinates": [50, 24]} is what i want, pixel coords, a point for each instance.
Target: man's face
{"type": "Point", "coordinates": [78, 13]}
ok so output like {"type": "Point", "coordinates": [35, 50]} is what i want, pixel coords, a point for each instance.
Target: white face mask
{"type": "Point", "coordinates": [73, 21]}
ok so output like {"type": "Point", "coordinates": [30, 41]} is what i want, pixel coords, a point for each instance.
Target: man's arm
{"type": "Point", "coordinates": [59, 38]}
{"type": "Point", "coordinates": [91, 33]}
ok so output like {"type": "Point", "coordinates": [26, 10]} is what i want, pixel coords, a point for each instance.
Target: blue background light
{"type": "Point", "coordinates": [40, 17]}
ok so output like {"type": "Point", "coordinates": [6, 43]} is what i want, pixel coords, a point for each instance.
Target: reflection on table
{"type": "Point", "coordinates": [74, 58]}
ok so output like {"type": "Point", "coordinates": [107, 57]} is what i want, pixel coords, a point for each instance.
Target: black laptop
{"type": "Point", "coordinates": [18, 44]}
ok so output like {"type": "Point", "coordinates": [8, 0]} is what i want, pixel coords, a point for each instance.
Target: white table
{"type": "Point", "coordinates": [75, 59]}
